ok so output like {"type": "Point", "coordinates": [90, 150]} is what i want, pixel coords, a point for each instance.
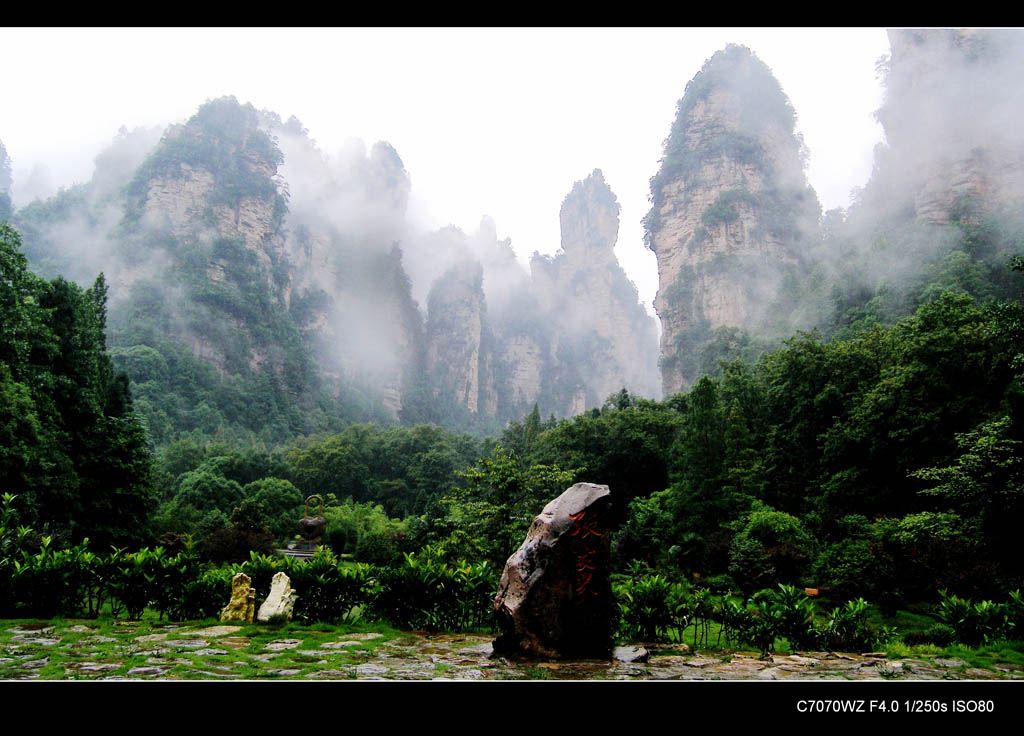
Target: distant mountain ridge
{"type": "Point", "coordinates": [258, 285]}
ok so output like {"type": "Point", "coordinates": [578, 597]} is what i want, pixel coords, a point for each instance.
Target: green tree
{"type": "Point", "coordinates": [281, 501]}
{"type": "Point", "coordinates": [76, 450]}
{"type": "Point", "coordinates": [984, 486]}
{"type": "Point", "coordinates": [771, 547]}
{"type": "Point", "coordinates": [492, 513]}
{"type": "Point", "coordinates": [626, 449]}
{"type": "Point", "coordinates": [205, 490]}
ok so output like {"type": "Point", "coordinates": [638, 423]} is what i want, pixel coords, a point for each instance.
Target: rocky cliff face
{"type": "Point", "coordinates": [951, 119]}
{"type": "Point", "coordinates": [208, 198]}
{"type": "Point", "coordinates": [602, 339]}
{"type": "Point", "coordinates": [565, 338]}
{"type": "Point", "coordinates": [237, 244]}
{"type": "Point", "coordinates": [458, 351]}
{"type": "Point", "coordinates": [354, 305]}
{"type": "Point", "coordinates": [731, 208]}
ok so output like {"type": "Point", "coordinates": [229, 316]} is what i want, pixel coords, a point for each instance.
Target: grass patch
{"type": "Point", "coordinates": [537, 673]}
{"type": "Point", "coordinates": [988, 656]}
{"type": "Point", "coordinates": [88, 648]}
{"type": "Point", "coordinates": [915, 618]}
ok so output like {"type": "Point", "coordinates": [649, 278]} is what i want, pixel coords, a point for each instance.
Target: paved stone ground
{"type": "Point", "coordinates": [40, 651]}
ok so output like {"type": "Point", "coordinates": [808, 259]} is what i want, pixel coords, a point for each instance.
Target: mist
{"type": "Point", "coordinates": [952, 161]}
{"type": "Point", "coordinates": [346, 254]}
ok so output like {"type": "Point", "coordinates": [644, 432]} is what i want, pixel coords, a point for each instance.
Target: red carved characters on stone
{"type": "Point", "coordinates": [585, 530]}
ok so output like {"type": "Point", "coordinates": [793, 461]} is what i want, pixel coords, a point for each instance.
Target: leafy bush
{"type": "Point", "coordinates": [1015, 615]}
{"type": "Point", "coordinates": [655, 609]}
{"type": "Point", "coordinates": [977, 623]}
{"type": "Point", "coordinates": [941, 635]}
{"type": "Point", "coordinates": [784, 612]}
{"type": "Point", "coordinates": [133, 579]}
{"type": "Point", "coordinates": [724, 209]}
{"type": "Point", "coordinates": [205, 596]}
{"type": "Point", "coordinates": [847, 628]}
{"type": "Point", "coordinates": [425, 592]}
{"type": "Point", "coordinates": [326, 590]}
{"type": "Point", "coordinates": [644, 605]}
{"type": "Point", "coordinates": [47, 583]}
{"type": "Point", "coordinates": [771, 547]}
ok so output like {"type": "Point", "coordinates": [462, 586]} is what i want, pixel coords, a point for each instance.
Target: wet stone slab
{"type": "Point", "coordinates": [31, 629]}
{"type": "Point", "coordinates": [187, 643]}
{"type": "Point", "coordinates": [371, 670]}
{"type": "Point", "coordinates": [164, 661]}
{"type": "Point", "coordinates": [150, 671]}
{"type": "Point", "coordinates": [217, 675]}
{"type": "Point", "coordinates": [235, 642]}
{"type": "Point", "coordinates": [214, 631]}
{"type": "Point", "coordinates": [42, 641]}
{"type": "Point", "coordinates": [98, 639]}
{"type": "Point", "coordinates": [329, 675]}
{"type": "Point", "coordinates": [152, 637]}
{"type": "Point", "coordinates": [367, 636]}
{"type": "Point", "coordinates": [281, 644]}
{"type": "Point", "coordinates": [91, 667]}
{"type": "Point", "coordinates": [24, 675]}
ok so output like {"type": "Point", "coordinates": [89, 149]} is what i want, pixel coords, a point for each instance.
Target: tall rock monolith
{"type": "Point", "coordinates": [555, 599]}
{"type": "Point", "coordinates": [732, 213]}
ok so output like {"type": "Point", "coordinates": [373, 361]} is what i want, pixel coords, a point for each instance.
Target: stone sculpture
{"type": "Point", "coordinates": [243, 600]}
{"type": "Point", "coordinates": [280, 602]}
{"type": "Point", "coordinates": [555, 599]}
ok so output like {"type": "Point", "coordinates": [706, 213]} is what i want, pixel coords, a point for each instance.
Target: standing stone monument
{"type": "Point", "coordinates": [243, 600]}
{"type": "Point", "coordinates": [555, 599]}
{"type": "Point", "coordinates": [280, 602]}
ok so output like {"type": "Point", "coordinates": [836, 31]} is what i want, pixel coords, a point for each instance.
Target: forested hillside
{"type": "Point", "coordinates": [260, 289]}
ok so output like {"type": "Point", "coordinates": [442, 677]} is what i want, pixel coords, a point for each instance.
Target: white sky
{"type": "Point", "coordinates": [496, 121]}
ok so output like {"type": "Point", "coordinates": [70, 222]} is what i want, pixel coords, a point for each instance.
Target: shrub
{"type": "Point", "coordinates": [974, 623]}
{"type": "Point", "coordinates": [48, 583]}
{"type": "Point", "coordinates": [772, 547]}
{"type": "Point", "coordinates": [206, 596]}
{"type": "Point", "coordinates": [326, 591]}
{"type": "Point", "coordinates": [644, 603]}
{"type": "Point", "coordinates": [132, 579]}
{"type": "Point", "coordinates": [940, 634]}
{"type": "Point", "coordinates": [788, 612]}
{"type": "Point", "coordinates": [1015, 615]}
{"type": "Point", "coordinates": [425, 592]}
{"type": "Point", "coordinates": [847, 628]}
